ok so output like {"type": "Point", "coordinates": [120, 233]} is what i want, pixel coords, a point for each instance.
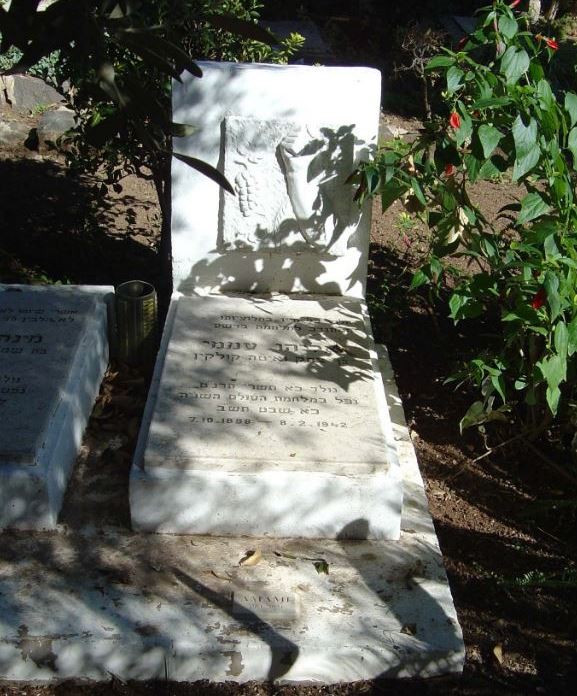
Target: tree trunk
{"type": "Point", "coordinates": [553, 10]}
{"type": "Point", "coordinates": [162, 182]}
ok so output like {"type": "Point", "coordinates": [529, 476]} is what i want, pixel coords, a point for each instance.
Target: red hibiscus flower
{"type": "Point", "coordinates": [455, 120]}
{"type": "Point", "coordinates": [552, 44]}
{"type": "Point", "coordinates": [449, 169]}
{"type": "Point", "coordinates": [539, 300]}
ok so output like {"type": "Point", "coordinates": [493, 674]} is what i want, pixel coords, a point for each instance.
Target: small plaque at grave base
{"type": "Point", "coordinates": [265, 605]}
{"type": "Point", "coordinates": [53, 354]}
{"type": "Point", "coordinates": [270, 414]}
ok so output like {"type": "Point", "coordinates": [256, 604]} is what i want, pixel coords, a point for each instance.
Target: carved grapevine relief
{"type": "Point", "coordinates": [290, 186]}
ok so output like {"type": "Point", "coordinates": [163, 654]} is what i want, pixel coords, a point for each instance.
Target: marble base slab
{"type": "Point", "coordinates": [141, 606]}
{"type": "Point", "coordinates": [267, 418]}
{"type": "Point", "coordinates": [53, 355]}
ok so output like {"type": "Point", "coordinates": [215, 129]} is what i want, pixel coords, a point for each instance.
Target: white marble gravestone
{"type": "Point", "coordinates": [292, 438]}
{"type": "Point", "coordinates": [53, 354]}
{"type": "Point", "coordinates": [267, 421]}
{"type": "Point", "coordinates": [270, 419]}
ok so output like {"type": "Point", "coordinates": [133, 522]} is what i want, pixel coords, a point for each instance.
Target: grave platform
{"type": "Point", "coordinates": [94, 605]}
{"type": "Point", "coordinates": [53, 355]}
{"type": "Point", "coordinates": [267, 418]}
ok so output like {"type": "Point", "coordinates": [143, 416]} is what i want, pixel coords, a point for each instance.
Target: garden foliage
{"type": "Point", "coordinates": [502, 120]}
{"type": "Point", "coordinates": [118, 57]}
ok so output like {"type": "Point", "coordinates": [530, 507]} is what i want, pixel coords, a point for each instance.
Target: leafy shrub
{"type": "Point", "coordinates": [501, 119]}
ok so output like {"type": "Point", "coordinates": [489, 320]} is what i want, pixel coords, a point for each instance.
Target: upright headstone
{"type": "Point", "coordinates": [287, 138]}
{"type": "Point", "coordinates": [267, 413]}
{"type": "Point", "coordinates": [53, 354]}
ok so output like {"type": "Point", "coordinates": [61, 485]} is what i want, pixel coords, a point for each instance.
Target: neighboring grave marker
{"type": "Point", "coordinates": [53, 353]}
{"type": "Point", "coordinates": [39, 337]}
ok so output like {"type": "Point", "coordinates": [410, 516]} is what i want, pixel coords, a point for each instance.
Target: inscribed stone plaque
{"type": "Point", "coordinates": [39, 337]}
{"type": "Point", "coordinates": [279, 607]}
{"type": "Point", "coordinates": [260, 384]}
{"type": "Point", "coordinates": [290, 181]}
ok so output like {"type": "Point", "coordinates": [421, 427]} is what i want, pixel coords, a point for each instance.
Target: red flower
{"type": "Point", "coordinates": [455, 120]}
{"type": "Point", "coordinates": [514, 3]}
{"type": "Point", "coordinates": [539, 300]}
{"type": "Point", "coordinates": [449, 169]}
{"type": "Point", "coordinates": [552, 44]}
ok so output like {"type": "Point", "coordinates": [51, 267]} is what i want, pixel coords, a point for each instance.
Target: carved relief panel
{"type": "Point", "coordinates": [290, 185]}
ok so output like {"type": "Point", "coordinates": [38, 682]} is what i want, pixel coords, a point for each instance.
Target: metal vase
{"type": "Point", "coordinates": [136, 323]}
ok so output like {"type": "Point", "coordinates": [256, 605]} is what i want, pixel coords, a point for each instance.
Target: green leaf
{"type": "Point", "coordinates": [473, 167]}
{"type": "Point", "coordinates": [532, 207]}
{"type": "Point", "coordinates": [489, 137]}
{"type": "Point", "coordinates": [561, 339]}
{"type": "Point", "coordinates": [526, 148]}
{"type": "Point", "coordinates": [418, 191]}
{"type": "Point", "coordinates": [182, 130]}
{"type": "Point", "coordinates": [147, 42]}
{"type": "Point", "coordinates": [465, 130]}
{"type": "Point", "coordinates": [572, 337]}
{"type": "Point", "coordinates": [545, 94]}
{"type": "Point", "coordinates": [440, 62]}
{"type": "Point", "coordinates": [207, 170]}
{"type": "Point", "coordinates": [499, 383]}
{"type": "Point", "coordinates": [321, 566]}
{"type": "Point", "coordinates": [475, 416]}
{"type": "Point", "coordinates": [572, 144]}
{"type": "Point", "coordinates": [455, 303]}
{"type": "Point", "coordinates": [390, 192]}
{"type": "Point", "coordinates": [550, 248]}
{"type": "Point", "coordinates": [488, 170]}
{"type": "Point", "coordinates": [454, 77]}
{"type": "Point", "coordinates": [514, 63]}
{"type": "Point", "coordinates": [571, 107]}
{"type": "Point", "coordinates": [551, 285]}
{"type": "Point", "coordinates": [490, 102]}
{"type": "Point", "coordinates": [508, 26]}
{"type": "Point", "coordinates": [419, 278]}
{"type": "Point", "coordinates": [554, 370]}
{"type": "Point", "coordinates": [241, 27]}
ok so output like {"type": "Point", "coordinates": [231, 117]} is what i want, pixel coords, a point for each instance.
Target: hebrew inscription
{"type": "Point", "coordinates": [283, 381]}
{"type": "Point", "coordinates": [290, 181]}
{"type": "Point", "coordinates": [39, 337]}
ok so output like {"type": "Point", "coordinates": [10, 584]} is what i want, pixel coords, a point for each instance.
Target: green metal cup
{"type": "Point", "coordinates": [136, 323]}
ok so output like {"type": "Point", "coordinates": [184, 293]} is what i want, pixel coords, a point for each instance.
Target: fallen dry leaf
{"type": "Point", "coordinates": [251, 558]}
{"type": "Point", "coordinates": [498, 653]}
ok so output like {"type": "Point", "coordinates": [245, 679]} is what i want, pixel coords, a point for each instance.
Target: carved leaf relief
{"type": "Point", "coordinates": [290, 184]}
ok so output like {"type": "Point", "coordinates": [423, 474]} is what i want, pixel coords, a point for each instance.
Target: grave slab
{"type": "Point", "coordinates": [269, 419]}
{"type": "Point", "coordinates": [116, 604]}
{"type": "Point", "coordinates": [53, 354]}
